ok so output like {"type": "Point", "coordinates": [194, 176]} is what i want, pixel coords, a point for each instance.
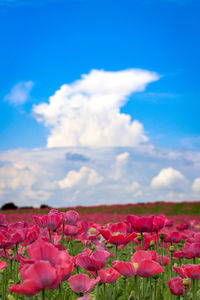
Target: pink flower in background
{"type": "Point", "coordinates": [109, 275]}
{"type": "Point", "coordinates": [36, 277]}
{"type": "Point", "coordinates": [50, 221]}
{"type": "Point", "coordinates": [176, 286]}
{"type": "Point", "coordinates": [126, 269]}
{"type": "Point", "coordinates": [93, 262]}
{"type": "Point", "coordinates": [70, 217]}
{"type": "Point", "coordinates": [82, 283]}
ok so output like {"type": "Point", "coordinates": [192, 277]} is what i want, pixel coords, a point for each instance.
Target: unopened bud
{"type": "Point", "coordinates": [139, 237]}
{"type": "Point", "coordinates": [185, 281]}
{"type": "Point", "coordinates": [171, 248]}
{"type": "Point", "coordinates": [10, 282]}
{"type": "Point", "coordinates": [152, 243]}
{"type": "Point", "coordinates": [10, 297]}
{"type": "Point", "coordinates": [155, 277]}
{"type": "Point", "coordinates": [175, 265]}
{"type": "Point", "coordinates": [162, 236]}
{"type": "Point", "coordinates": [132, 295]}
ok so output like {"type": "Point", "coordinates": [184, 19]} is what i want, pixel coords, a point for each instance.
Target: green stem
{"type": "Point", "coordinates": [63, 236]}
{"type": "Point", "coordinates": [185, 292]}
{"type": "Point", "coordinates": [157, 240]}
{"type": "Point", "coordinates": [155, 285]}
{"type": "Point", "coordinates": [43, 294]}
{"type": "Point", "coordinates": [125, 289]}
{"type": "Point", "coordinates": [116, 251]}
{"type": "Point", "coordinates": [50, 235]}
{"type": "Point", "coordinates": [142, 241]}
{"type": "Point", "coordinates": [194, 290]}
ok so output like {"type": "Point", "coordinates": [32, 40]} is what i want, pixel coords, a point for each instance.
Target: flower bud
{"type": "Point", "coordinates": [186, 282]}
{"type": "Point", "coordinates": [132, 295]}
{"type": "Point", "coordinates": [171, 248]}
{"type": "Point", "coordinates": [155, 277]}
{"type": "Point", "coordinates": [152, 243]}
{"type": "Point", "coordinates": [139, 237]}
{"type": "Point", "coordinates": [162, 236]}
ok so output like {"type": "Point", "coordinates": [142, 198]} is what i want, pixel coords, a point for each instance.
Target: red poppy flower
{"type": "Point", "coordinates": [176, 286]}
{"type": "Point", "coordinates": [3, 265]}
{"type": "Point", "coordinates": [173, 237]}
{"type": "Point", "coordinates": [188, 271]}
{"type": "Point", "coordinates": [108, 275]}
{"type": "Point", "coordinates": [126, 269]}
{"type": "Point", "coordinates": [36, 277]}
{"type": "Point", "coordinates": [50, 221]}
{"type": "Point", "coordinates": [70, 217]}
{"type": "Point", "coordinates": [44, 251]}
{"type": "Point", "coordinates": [94, 262]}
{"type": "Point", "coordinates": [81, 283]}
{"type": "Point", "coordinates": [159, 222]}
{"type": "Point", "coordinates": [141, 224]}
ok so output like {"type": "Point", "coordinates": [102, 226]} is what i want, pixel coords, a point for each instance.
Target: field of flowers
{"type": "Point", "coordinates": [105, 252]}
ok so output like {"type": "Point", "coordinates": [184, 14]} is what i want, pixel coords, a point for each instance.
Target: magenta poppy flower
{"type": "Point", "coordinates": [50, 221]}
{"type": "Point", "coordinates": [188, 271]}
{"type": "Point", "coordinates": [5, 240]}
{"type": "Point", "coordinates": [2, 219]}
{"type": "Point", "coordinates": [176, 286]}
{"type": "Point", "coordinates": [81, 283]}
{"type": "Point", "coordinates": [140, 255]}
{"type": "Point", "coordinates": [71, 230]}
{"type": "Point", "coordinates": [173, 237]}
{"type": "Point", "coordinates": [191, 250]}
{"type": "Point", "coordinates": [148, 268]}
{"type": "Point", "coordinates": [70, 217]}
{"type": "Point", "coordinates": [36, 277]}
{"type": "Point", "coordinates": [108, 275]}
{"type": "Point", "coordinates": [31, 235]}
{"type": "Point", "coordinates": [116, 234]}
{"type": "Point", "coordinates": [93, 262]}
{"type": "Point", "coordinates": [60, 260]}
{"type": "Point", "coordinates": [85, 297]}
{"type": "Point", "coordinates": [141, 224]}
{"type": "Point", "coordinates": [126, 269]}
{"type": "Point", "coordinates": [159, 222]}
{"type": "Point", "coordinates": [3, 265]}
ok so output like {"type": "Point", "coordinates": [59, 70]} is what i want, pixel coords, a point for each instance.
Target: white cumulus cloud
{"type": "Point", "coordinates": [196, 186]}
{"type": "Point", "coordinates": [87, 111]}
{"type": "Point", "coordinates": [85, 175]}
{"type": "Point", "coordinates": [19, 93]}
{"type": "Point", "coordinates": [123, 157]}
{"type": "Point", "coordinates": [167, 178]}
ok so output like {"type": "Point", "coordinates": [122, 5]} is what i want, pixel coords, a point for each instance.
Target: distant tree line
{"type": "Point", "coordinates": [11, 205]}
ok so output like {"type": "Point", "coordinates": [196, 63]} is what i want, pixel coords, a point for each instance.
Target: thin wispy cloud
{"type": "Point", "coordinates": [20, 93]}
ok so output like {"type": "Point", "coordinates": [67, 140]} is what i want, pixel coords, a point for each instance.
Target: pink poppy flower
{"type": "Point", "coordinates": [94, 262]}
{"type": "Point", "coordinates": [176, 286]}
{"type": "Point", "coordinates": [141, 224]}
{"type": "Point", "coordinates": [81, 283]}
{"type": "Point", "coordinates": [126, 269]}
{"type": "Point", "coordinates": [36, 277]}
{"type": "Point", "coordinates": [108, 275]}
{"type": "Point", "coordinates": [70, 217]}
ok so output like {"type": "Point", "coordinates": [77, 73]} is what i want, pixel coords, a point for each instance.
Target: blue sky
{"type": "Point", "coordinates": [46, 44]}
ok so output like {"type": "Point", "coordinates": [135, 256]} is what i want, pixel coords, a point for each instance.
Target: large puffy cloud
{"type": "Point", "coordinates": [87, 111]}
{"type": "Point", "coordinates": [196, 186]}
{"type": "Point", "coordinates": [35, 176]}
{"type": "Point", "coordinates": [85, 175]}
{"type": "Point", "coordinates": [167, 178]}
